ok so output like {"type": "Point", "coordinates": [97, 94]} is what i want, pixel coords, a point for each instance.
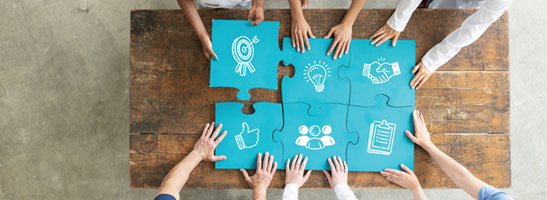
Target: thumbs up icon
{"type": "Point", "coordinates": [247, 138]}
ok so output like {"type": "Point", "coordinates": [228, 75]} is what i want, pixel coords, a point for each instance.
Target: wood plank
{"type": "Point", "coordinates": [169, 77]}
{"type": "Point", "coordinates": [487, 156]}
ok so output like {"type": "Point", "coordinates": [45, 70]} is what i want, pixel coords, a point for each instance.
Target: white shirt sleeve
{"type": "Point", "coordinates": [343, 192]}
{"type": "Point", "coordinates": [470, 30]}
{"type": "Point", "coordinates": [290, 192]}
{"type": "Point", "coordinates": [402, 14]}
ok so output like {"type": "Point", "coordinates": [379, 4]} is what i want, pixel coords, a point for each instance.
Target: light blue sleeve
{"type": "Point", "coordinates": [491, 193]}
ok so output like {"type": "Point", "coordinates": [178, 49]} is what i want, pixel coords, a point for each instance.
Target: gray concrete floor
{"type": "Point", "coordinates": [64, 71]}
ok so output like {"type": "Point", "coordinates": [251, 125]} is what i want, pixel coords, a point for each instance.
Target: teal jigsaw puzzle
{"type": "Point", "coordinates": [382, 139]}
{"type": "Point", "coordinates": [315, 80]}
{"type": "Point", "coordinates": [380, 70]}
{"type": "Point", "coordinates": [248, 135]}
{"type": "Point", "coordinates": [248, 56]}
{"type": "Point", "coordinates": [317, 137]}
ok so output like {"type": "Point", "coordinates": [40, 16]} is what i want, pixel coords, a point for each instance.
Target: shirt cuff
{"type": "Point", "coordinates": [343, 191]}
{"type": "Point", "coordinates": [290, 192]}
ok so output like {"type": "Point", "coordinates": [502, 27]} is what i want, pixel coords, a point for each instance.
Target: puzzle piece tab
{"type": "Point", "coordinates": [382, 139]}
{"type": "Point", "coordinates": [315, 79]}
{"type": "Point", "coordinates": [248, 56]}
{"type": "Point", "coordinates": [380, 70]}
{"type": "Point", "coordinates": [317, 137]}
{"type": "Point", "coordinates": [248, 135]}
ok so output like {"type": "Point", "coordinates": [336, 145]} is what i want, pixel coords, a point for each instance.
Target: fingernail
{"type": "Point", "coordinates": [250, 24]}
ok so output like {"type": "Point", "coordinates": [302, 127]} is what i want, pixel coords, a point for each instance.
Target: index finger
{"type": "Point", "coordinates": [304, 164]}
{"type": "Point", "coordinates": [332, 47]}
{"type": "Point", "coordinates": [259, 161]}
{"type": "Point", "coordinates": [306, 41]}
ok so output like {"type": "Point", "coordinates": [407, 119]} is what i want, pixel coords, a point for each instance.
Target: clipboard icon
{"type": "Point", "coordinates": [380, 139]}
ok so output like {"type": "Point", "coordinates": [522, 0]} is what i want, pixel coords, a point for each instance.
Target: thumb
{"type": "Point", "coordinates": [329, 34]}
{"type": "Point", "coordinates": [245, 127]}
{"type": "Point", "coordinates": [218, 158]}
{"type": "Point", "coordinates": [407, 169]}
{"type": "Point", "coordinates": [307, 175]}
{"type": "Point", "coordinates": [409, 135]}
{"type": "Point", "coordinates": [327, 175]}
{"type": "Point", "coordinates": [245, 174]}
{"type": "Point", "coordinates": [311, 34]}
{"type": "Point", "coordinates": [416, 68]}
{"type": "Point", "coordinates": [257, 22]}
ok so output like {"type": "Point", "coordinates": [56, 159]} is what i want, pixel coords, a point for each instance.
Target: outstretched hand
{"type": "Point", "coordinates": [421, 77]}
{"type": "Point", "coordinates": [205, 146]}
{"type": "Point", "coordinates": [256, 13]}
{"type": "Point", "coordinates": [421, 134]}
{"type": "Point", "coordinates": [338, 172]}
{"type": "Point", "coordinates": [295, 172]}
{"type": "Point", "coordinates": [264, 172]}
{"type": "Point", "coordinates": [342, 39]}
{"type": "Point", "coordinates": [383, 34]}
{"type": "Point", "coordinates": [300, 31]}
{"type": "Point", "coordinates": [406, 180]}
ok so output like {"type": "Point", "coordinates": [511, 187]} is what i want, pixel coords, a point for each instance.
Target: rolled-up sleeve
{"type": "Point", "coordinates": [470, 30]}
{"type": "Point", "coordinates": [343, 192]}
{"type": "Point", "coordinates": [402, 14]}
{"type": "Point", "coordinates": [290, 192]}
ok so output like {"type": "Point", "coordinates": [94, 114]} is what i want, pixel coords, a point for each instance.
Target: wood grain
{"type": "Point", "coordinates": [153, 155]}
{"type": "Point", "coordinates": [169, 77]}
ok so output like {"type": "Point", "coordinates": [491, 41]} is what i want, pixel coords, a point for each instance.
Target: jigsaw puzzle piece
{"type": "Point", "coordinates": [248, 56]}
{"type": "Point", "coordinates": [383, 142]}
{"type": "Point", "coordinates": [315, 79]}
{"type": "Point", "coordinates": [317, 137]}
{"type": "Point", "coordinates": [380, 70]}
{"type": "Point", "coordinates": [248, 135]}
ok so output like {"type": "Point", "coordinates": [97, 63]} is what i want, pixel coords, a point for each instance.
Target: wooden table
{"type": "Point", "coordinates": [466, 102]}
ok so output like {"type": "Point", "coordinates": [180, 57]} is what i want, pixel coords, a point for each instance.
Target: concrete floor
{"type": "Point", "coordinates": [64, 71]}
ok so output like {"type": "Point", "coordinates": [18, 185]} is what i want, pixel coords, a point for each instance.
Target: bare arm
{"type": "Point", "coordinates": [191, 13]}
{"type": "Point", "coordinates": [458, 173]}
{"type": "Point", "coordinates": [203, 150]}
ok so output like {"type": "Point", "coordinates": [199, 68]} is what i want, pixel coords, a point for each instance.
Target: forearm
{"type": "Point", "coordinates": [418, 193]}
{"type": "Point", "coordinates": [258, 3]}
{"type": "Point", "coordinates": [191, 13]}
{"type": "Point", "coordinates": [177, 177]}
{"type": "Point", "coordinates": [259, 193]}
{"type": "Point", "coordinates": [296, 9]}
{"type": "Point", "coordinates": [457, 172]}
{"type": "Point", "coordinates": [353, 11]}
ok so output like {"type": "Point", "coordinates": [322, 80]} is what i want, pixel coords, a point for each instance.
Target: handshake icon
{"type": "Point", "coordinates": [381, 73]}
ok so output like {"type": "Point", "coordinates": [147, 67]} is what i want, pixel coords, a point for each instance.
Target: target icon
{"type": "Point", "coordinates": [243, 52]}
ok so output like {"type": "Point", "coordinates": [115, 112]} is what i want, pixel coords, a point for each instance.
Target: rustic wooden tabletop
{"type": "Point", "coordinates": [465, 103]}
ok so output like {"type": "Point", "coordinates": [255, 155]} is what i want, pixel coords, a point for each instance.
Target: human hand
{"type": "Point", "coordinates": [206, 144]}
{"type": "Point", "coordinates": [338, 172]}
{"type": "Point", "coordinates": [383, 34]}
{"type": "Point", "coordinates": [264, 172]}
{"type": "Point", "coordinates": [256, 14]}
{"type": "Point", "coordinates": [421, 77]}
{"type": "Point", "coordinates": [300, 30]}
{"type": "Point", "coordinates": [208, 49]}
{"type": "Point", "coordinates": [421, 135]}
{"type": "Point", "coordinates": [295, 172]}
{"type": "Point", "coordinates": [342, 37]}
{"type": "Point", "coordinates": [406, 180]}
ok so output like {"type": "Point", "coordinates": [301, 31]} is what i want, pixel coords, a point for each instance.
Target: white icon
{"type": "Point", "coordinates": [247, 138]}
{"type": "Point", "coordinates": [317, 73]}
{"type": "Point", "coordinates": [243, 52]}
{"type": "Point", "coordinates": [380, 139]}
{"type": "Point", "coordinates": [381, 73]}
{"type": "Point", "coordinates": [315, 142]}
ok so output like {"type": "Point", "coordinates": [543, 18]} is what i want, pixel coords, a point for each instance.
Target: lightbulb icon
{"type": "Point", "coordinates": [317, 73]}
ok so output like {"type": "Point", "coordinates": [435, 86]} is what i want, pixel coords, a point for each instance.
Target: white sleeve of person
{"type": "Point", "coordinates": [470, 30]}
{"type": "Point", "coordinates": [290, 192]}
{"type": "Point", "coordinates": [343, 192]}
{"type": "Point", "coordinates": [402, 14]}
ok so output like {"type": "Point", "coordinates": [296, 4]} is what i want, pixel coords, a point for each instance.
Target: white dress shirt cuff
{"type": "Point", "coordinates": [402, 14]}
{"type": "Point", "coordinates": [290, 192]}
{"type": "Point", "coordinates": [343, 191]}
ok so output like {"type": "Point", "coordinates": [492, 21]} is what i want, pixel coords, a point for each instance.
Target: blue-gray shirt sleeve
{"type": "Point", "coordinates": [165, 197]}
{"type": "Point", "coordinates": [491, 193]}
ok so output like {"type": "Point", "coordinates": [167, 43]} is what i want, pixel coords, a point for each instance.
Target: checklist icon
{"type": "Point", "coordinates": [380, 139]}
